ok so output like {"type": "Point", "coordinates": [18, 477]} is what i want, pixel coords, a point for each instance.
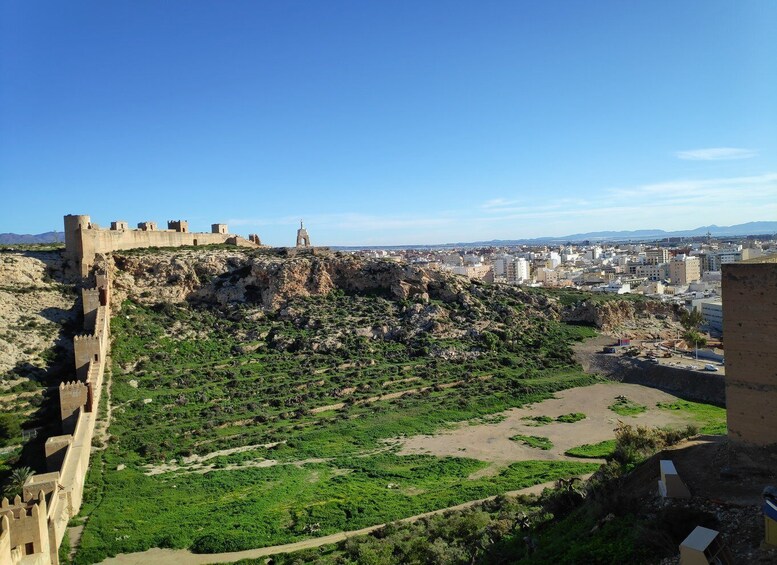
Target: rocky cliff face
{"type": "Point", "coordinates": [616, 313]}
{"type": "Point", "coordinates": [37, 313]}
{"type": "Point", "coordinates": [223, 277]}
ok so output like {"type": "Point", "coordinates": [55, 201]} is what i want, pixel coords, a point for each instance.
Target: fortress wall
{"type": "Point", "coordinates": [749, 330]}
{"type": "Point", "coordinates": [84, 240]}
{"type": "Point", "coordinates": [90, 297]}
{"type": "Point", "coordinates": [5, 540]}
{"type": "Point", "coordinates": [67, 456]}
{"type": "Point", "coordinates": [94, 241]}
{"type": "Point", "coordinates": [27, 528]}
{"type": "Point", "coordinates": [72, 398]}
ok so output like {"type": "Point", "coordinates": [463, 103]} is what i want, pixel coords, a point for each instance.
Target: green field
{"type": "Point", "coordinates": [710, 419]}
{"type": "Point", "coordinates": [593, 451]}
{"type": "Point", "coordinates": [320, 411]}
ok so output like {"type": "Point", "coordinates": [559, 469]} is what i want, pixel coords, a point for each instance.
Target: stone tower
{"type": "Point", "coordinates": [303, 239]}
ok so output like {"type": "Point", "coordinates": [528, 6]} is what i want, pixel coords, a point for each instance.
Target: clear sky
{"type": "Point", "coordinates": [389, 122]}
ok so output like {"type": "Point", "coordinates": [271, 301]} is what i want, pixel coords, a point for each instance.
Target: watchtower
{"type": "Point", "coordinates": [181, 226]}
{"type": "Point", "coordinates": [148, 226]}
{"type": "Point", "coordinates": [218, 228]}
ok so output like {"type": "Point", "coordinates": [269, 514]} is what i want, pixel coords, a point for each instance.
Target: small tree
{"type": "Point", "coordinates": [691, 320]}
{"type": "Point", "coordinates": [15, 483]}
{"type": "Point", "coordinates": [9, 427]}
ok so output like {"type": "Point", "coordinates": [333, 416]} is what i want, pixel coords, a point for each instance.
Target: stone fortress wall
{"type": "Point", "coordinates": [750, 333]}
{"type": "Point", "coordinates": [32, 525]}
{"type": "Point", "coordinates": [84, 240]}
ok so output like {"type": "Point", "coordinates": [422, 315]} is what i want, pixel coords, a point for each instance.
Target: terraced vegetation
{"type": "Point", "coordinates": [317, 393]}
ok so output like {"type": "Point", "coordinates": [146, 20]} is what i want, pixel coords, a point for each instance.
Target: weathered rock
{"type": "Point", "coordinates": [224, 277]}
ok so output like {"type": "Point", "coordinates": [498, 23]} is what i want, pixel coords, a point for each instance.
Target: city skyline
{"type": "Point", "coordinates": [389, 125]}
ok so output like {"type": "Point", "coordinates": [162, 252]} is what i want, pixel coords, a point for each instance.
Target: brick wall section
{"type": "Point", "coordinates": [750, 338]}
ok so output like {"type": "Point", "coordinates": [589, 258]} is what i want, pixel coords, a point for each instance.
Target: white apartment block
{"type": "Point", "coordinates": [518, 270]}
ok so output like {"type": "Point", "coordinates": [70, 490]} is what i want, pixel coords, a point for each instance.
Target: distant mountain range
{"type": "Point", "coordinates": [750, 228]}
{"type": "Point", "coordinates": [48, 237]}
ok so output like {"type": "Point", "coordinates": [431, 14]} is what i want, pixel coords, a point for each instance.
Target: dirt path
{"type": "Point", "coordinates": [491, 441]}
{"type": "Point", "coordinates": [158, 556]}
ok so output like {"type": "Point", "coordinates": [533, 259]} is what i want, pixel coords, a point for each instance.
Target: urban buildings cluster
{"type": "Point", "coordinates": [688, 273]}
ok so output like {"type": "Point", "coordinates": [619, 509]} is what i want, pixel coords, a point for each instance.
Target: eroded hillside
{"type": "Point", "coordinates": [37, 319]}
{"type": "Point", "coordinates": [285, 391]}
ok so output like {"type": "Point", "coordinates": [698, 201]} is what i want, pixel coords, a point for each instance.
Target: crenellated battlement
{"type": "Point", "coordinates": [84, 240]}
{"type": "Point", "coordinates": [27, 525]}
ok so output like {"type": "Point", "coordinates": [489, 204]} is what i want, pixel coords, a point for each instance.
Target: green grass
{"type": "Point", "coordinates": [626, 407]}
{"type": "Point", "coordinates": [211, 511]}
{"type": "Point", "coordinates": [711, 419]}
{"type": "Point", "coordinates": [538, 442]}
{"type": "Point", "coordinates": [242, 376]}
{"type": "Point", "coordinates": [536, 421]}
{"type": "Point", "coordinates": [571, 418]}
{"type": "Point", "coordinates": [600, 450]}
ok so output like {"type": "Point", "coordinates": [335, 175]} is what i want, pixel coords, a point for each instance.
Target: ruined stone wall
{"type": "Point", "coordinates": [750, 337]}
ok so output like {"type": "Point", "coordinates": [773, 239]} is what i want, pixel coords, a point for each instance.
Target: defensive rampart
{"type": "Point", "coordinates": [84, 240]}
{"type": "Point", "coordinates": [32, 526]}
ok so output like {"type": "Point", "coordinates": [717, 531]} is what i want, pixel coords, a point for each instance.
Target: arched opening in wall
{"type": "Point", "coordinates": [29, 548]}
{"type": "Point", "coordinates": [95, 358]}
{"type": "Point", "coordinates": [195, 242]}
{"type": "Point", "coordinates": [103, 297]}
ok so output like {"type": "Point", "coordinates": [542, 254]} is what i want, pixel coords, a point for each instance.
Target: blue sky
{"type": "Point", "coordinates": [389, 122]}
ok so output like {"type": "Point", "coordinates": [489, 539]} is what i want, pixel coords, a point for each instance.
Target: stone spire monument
{"type": "Point", "coordinates": [303, 239]}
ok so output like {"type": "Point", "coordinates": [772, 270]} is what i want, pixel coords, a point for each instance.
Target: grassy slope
{"type": "Point", "coordinates": [218, 381]}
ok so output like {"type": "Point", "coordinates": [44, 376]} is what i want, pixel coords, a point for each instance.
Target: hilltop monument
{"type": "Point", "coordinates": [303, 239]}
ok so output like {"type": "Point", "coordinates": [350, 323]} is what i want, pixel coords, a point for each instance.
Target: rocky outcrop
{"type": "Point", "coordinates": [224, 277]}
{"type": "Point", "coordinates": [37, 311]}
{"type": "Point", "coordinates": [614, 313]}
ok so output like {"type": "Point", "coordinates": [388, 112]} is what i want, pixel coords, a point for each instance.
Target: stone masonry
{"type": "Point", "coordinates": [750, 335]}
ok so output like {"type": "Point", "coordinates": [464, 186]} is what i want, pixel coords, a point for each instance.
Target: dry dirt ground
{"type": "Point", "coordinates": [492, 443]}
